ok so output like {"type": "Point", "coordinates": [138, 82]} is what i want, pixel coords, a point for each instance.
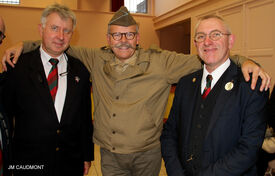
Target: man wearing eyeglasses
{"type": "Point", "coordinates": [4, 125]}
{"type": "Point", "coordinates": [130, 91]}
{"type": "Point", "coordinates": [216, 125]}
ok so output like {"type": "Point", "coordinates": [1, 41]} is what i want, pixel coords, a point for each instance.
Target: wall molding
{"type": "Point", "coordinates": [177, 11]}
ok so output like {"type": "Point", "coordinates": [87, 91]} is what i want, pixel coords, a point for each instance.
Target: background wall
{"type": "Point", "coordinates": [95, 5]}
{"type": "Point", "coordinates": [22, 24]}
{"type": "Point", "coordinates": [43, 3]}
{"type": "Point", "coordinates": [164, 6]}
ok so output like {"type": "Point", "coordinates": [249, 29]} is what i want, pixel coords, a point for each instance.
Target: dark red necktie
{"type": "Point", "coordinates": [207, 87]}
{"type": "Point", "coordinates": [53, 78]}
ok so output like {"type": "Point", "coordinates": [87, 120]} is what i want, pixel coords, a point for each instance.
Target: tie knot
{"type": "Point", "coordinates": [209, 78]}
{"type": "Point", "coordinates": [54, 61]}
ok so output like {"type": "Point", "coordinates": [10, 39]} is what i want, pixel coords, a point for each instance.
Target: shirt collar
{"type": "Point", "coordinates": [216, 74]}
{"type": "Point", "coordinates": [45, 57]}
{"type": "Point", "coordinates": [131, 61]}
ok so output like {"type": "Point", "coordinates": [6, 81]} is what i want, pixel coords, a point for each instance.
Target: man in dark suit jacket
{"type": "Point", "coordinates": [4, 125]}
{"type": "Point", "coordinates": [217, 132]}
{"type": "Point", "coordinates": [4, 130]}
{"type": "Point", "coordinates": [52, 131]}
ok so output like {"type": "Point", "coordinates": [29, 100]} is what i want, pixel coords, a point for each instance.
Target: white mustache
{"type": "Point", "coordinates": [123, 45]}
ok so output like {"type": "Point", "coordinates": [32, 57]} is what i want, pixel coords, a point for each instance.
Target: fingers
{"type": "Point", "coordinates": [268, 85]}
{"type": "Point", "coordinates": [7, 58]}
{"type": "Point", "coordinates": [250, 67]}
{"type": "Point", "coordinates": [255, 75]}
{"type": "Point", "coordinates": [266, 80]}
{"type": "Point", "coordinates": [4, 67]}
{"type": "Point", "coordinates": [246, 73]}
{"type": "Point", "coordinates": [13, 52]}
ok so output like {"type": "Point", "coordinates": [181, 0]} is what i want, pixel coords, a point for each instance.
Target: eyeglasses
{"type": "Point", "coordinates": [128, 35]}
{"type": "Point", "coordinates": [2, 36]}
{"type": "Point", "coordinates": [214, 35]}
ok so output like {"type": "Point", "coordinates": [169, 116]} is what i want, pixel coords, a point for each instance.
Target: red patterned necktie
{"type": "Point", "coordinates": [53, 78]}
{"type": "Point", "coordinates": [207, 87]}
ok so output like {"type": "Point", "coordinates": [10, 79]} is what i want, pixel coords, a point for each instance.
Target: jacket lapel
{"type": "Point", "coordinates": [72, 80]}
{"type": "Point", "coordinates": [193, 90]}
{"type": "Point", "coordinates": [39, 80]}
{"type": "Point", "coordinates": [230, 77]}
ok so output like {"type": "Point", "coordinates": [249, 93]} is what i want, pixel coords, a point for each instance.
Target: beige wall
{"type": "Point", "coordinates": [95, 5]}
{"type": "Point", "coordinates": [22, 24]}
{"type": "Point", "coordinates": [164, 6]}
{"type": "Point", "coordinates": [43, 3]}
{"type": "Point", "coordinates": [251, 20]}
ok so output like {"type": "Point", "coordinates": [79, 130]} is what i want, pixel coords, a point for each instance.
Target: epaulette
{"type": "Point", "coordinates": [105, 48]}
{"type": "Point", "coordinates": [155, 49]}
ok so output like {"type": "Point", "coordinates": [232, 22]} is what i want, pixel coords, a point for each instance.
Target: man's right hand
{"type": "Point", "coordinates": [12, 52]}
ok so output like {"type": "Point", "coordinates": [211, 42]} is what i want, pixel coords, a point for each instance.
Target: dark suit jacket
{"type": "Point", "coordinates": [235, 132]}
{"type": "Point", "coordinates": [39, 138]}
{"type": "Point", "coordinates": [5, 130]}
{"type": "Point", "coordinates": [271, 109]}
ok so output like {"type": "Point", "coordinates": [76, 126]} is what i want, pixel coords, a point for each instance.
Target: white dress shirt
{"type": "Point", "coordinates": [216, 74]}
{"type": "Point", "coordinates": [62, 80]}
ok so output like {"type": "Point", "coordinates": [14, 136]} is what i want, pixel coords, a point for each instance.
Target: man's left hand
{"type": "Point", "coordinates": [87, 165]}
{"type": "Point", "coordinates": [251, 67]}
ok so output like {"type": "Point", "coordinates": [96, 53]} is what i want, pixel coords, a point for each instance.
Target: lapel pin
{"type": "Point", "coordinates": [194, 80]}
{"type": "Point", "coordinates": [228, 86]}
{"type": "Point", "coordinates": [77, 79]}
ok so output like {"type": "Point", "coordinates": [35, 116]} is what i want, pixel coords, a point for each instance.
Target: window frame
{"type": "Point", "coordinates": [10, 2]}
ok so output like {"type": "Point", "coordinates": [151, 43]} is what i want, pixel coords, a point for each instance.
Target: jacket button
{"type": "Point", "coordinates": [57, 149]}
{"type": "Point", "coordinates": [199, 126]}
{"type": "Point", "coordinates": [114, 132]}
{"type": "Point", "coordinates": [57, 131]}
{"type": "Point", "coordinates": [117, 97]}
{"type": "Point", "coordinates": [113, 148]}
{"type": "Point", "coordinates": [114, 114]}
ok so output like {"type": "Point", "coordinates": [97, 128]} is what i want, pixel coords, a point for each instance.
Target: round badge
{"type": "Point", "coordinates": [228, 86]}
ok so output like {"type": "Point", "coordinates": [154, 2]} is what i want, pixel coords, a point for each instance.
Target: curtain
{"type": "Point", "coordinates": [116, 4]}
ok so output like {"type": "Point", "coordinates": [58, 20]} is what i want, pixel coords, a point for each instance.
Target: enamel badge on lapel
{"type": "Point", "coordinates": [194, 80]}
{"type": "Point", "coordinates": [229, 86]}
{"type": "Point", "coordinates": [77, 79]}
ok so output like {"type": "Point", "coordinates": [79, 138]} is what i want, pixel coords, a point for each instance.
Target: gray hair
{"type": "Point", "coordinates": [216, 17]}
{"type": "Point", "coordinates": [109, 25]}
{"type": "Point", "coordinates": [63, 11]}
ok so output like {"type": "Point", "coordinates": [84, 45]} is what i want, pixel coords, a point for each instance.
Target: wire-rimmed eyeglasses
{"type": "Point", "coordinates": [2, 36]}
{"type": "Point", "coordinates": [128, 35]}
{"type": "Point", "coordinates": [214, 35]}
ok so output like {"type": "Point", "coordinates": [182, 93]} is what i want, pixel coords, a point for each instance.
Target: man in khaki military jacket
{"type": "Point", "coordinates": [130, 90]}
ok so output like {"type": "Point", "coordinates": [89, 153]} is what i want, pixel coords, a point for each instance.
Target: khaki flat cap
{"type": "Point", "coordinates": [122, 17]}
